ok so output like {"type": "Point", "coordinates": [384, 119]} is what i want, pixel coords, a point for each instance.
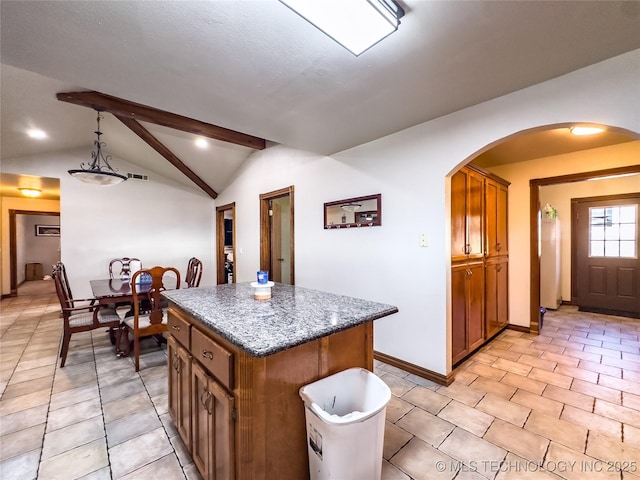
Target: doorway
{"type": "Point", "coordinates": [277, 235]}
{"type": "Point", "coordinates": [605, 268]}
{"type": "Point", "coordinates": [226, 243]}
{"type": "Point", "coordinates": [534, 228]}
{"type": "Point", "coordinates": [18, 240]}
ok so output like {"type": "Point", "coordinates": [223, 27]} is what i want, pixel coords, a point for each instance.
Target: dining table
{"type": "Point", "coordinates": [110, 290]}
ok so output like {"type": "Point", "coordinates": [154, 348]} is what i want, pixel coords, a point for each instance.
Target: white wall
{"type": "Point", "coordinates": [160, 221]}
{"type": "Point", "coordinates": [560, 197]}
{"type": "Point", "coordinates": [410, 169]}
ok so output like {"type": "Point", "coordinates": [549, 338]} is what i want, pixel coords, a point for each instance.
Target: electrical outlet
{"type": "Point", "coordinates": [423, 240]}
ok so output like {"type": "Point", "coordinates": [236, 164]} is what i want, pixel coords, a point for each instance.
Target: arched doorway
{"type": "Point", "coordinates": [524, 158]}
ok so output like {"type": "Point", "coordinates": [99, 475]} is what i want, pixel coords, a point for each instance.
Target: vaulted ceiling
{"type": "Point", "coordinates": [257, 68]}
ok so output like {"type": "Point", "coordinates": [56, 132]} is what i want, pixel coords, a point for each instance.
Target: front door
{"type": "Point", "coordinates": [606, 263]}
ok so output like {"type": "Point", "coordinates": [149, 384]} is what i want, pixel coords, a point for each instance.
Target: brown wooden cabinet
{"type": "Point", "coordinates": [246, 416]}
{"type": "Point", "coordinates": [467, 200]}
{"type": "Point", "coordinates": [496, 211]}
{"type": "Point", "coordinates": [180, 402]}
{"type": "Point", "coordinates": [479, 259]}
{"type": "Point", "coordinates": [213, 427]}
{"type": "Point", "coordinates": [467, 287]}
{"type": "Point", "coordinates": [496, 295]}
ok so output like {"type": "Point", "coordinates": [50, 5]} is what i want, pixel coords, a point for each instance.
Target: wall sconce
{"type": "Point", "coordinates": [357, 25]}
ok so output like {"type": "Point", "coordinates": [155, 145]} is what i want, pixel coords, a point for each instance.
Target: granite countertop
{"type": "Point", "coordinates": [292, 316]}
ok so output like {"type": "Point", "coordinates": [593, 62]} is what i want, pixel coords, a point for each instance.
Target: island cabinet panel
{"type": "Point", "coordinates": [180, 389]}
{"type": "Point", "coordinates": [257, 411]}
{"type": "Point", "coordinates": [213, 427]}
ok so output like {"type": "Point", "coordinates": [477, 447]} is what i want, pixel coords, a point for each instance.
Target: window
{"type": "Point", "coordinates": [612, 231]}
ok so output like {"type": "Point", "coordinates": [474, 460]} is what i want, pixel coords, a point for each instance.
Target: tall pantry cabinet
{"type": "Point", "coordinates": [479, 259]}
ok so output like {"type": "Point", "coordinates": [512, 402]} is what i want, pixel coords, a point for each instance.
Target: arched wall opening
{"type": "Point", "coordinates": [566, 161]}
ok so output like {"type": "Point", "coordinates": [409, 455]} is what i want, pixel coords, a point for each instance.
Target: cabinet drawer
{"type": "Point", "coordinates": [179, 328]}
{"type": "Point", "coordinates": [216, 359]}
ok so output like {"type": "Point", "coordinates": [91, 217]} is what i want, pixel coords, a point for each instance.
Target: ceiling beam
{"type": "Point", "coordinates": [142, 113]}
{"type": "Point", "coordinates": [154, 143]}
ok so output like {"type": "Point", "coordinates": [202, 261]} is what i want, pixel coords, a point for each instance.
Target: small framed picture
{"type": "Point", "coordinates": [47, 230]}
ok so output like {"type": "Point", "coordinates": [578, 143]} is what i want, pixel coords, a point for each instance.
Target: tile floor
{"type": "Point", "coordinates": [564, 404]}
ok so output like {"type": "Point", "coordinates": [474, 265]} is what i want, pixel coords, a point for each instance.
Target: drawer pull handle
{"type": "Point", "coordinates": [206, 354]}
{"type": "Point", "coordinates": [175, 327]}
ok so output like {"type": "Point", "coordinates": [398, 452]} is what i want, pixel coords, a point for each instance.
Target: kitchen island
{"type": "Point", "coordinates": [236, 365]}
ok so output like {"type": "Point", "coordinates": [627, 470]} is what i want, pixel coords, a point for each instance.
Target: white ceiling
{"type": "Point", "coordinates": [256, 67]}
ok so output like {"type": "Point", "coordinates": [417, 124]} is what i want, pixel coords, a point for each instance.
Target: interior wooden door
{"type": "Point", "coordinates": [276, 242]}
{"type": "Point", "coordinates": [605, 263]}
{"type": "Point", "coordinates": [277, 235]}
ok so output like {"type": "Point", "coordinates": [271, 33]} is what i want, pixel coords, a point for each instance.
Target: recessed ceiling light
{"type": "Point", "coordinates": [37, 133]}
{"type": "Point", "coordinates": [202, 143]}
{"type": "Point", "coordinates": [30, 192]}
{"type": "Point", "coordinates": [582, 131]}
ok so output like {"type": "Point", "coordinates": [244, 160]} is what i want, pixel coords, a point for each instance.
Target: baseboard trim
{"type": "Point", "coordinates": [519, 328]}
{"type": "Point", "coordinates": [438, 378]}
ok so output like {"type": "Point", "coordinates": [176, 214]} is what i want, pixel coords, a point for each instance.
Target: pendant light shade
{"type": "Point", "coordinates": [99, 172]}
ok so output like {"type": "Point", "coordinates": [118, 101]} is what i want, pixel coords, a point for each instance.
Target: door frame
{"type": "Point", "coordinates": [574, 241]}
{"type": "Point", "coordinates": [265, 237]}
{"type": "Point", "coordinates": [220, 235]}
{"type": "Point", "coordinates": [534, 208]}
{"type": "Point", "coordinates": [13, 245]}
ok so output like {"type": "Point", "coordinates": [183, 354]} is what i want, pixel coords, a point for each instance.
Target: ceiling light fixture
{"type": "Point", "coordinates": [96, 173]}
{"type": "Point", "coordinates": [202, 143]}
{"type": "Point", "coordinates": [357, 25]}
{"type": "Point", "coordinates": [30, 192]}
{"type": "Point", "coordinates": [584, 130]}
{"type": "Point", "coordinates": [37, 134]}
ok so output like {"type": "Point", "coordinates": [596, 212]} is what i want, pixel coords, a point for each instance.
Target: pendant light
{"type": "Point", "coordinates": [99, 172]}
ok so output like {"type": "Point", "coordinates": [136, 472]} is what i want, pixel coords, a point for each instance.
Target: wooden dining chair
{"type": "Point", "coordinates": [150, 316]}
{"type": "Point", "coordinates": [125, 267]}
{"type": "Point", "coordinates": [77, 317]}
{"type": "Point", "coordinates": [194, 273]}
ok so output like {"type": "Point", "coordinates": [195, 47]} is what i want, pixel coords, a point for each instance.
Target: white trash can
{"type": "Point", "coordinates": [345, 415]}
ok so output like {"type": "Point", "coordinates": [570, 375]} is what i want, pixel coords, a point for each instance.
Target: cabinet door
{"type": "Point", "coordinates": [475, 305]}
{"type": "Point", "coordinates": [459, 215]}
{"type": "Point", "coordinates": [213, 427]}
{"type": "Point", "coordinates": [467, 199]}
{"type": "Point", "coordinates": [458, 313]}
{"type": "Point", "coordinates": [475, 212]}
{"type": "Point", "coordinates": [179, 389]}
{"type": "Point", "coordinates": [221, 414]}
{"type": "Point", "coordinates": [496, 198]}
{"type": "Point", "coordinates": [467, 309]}
{"type": "Point", "coordinates": [496, 297]}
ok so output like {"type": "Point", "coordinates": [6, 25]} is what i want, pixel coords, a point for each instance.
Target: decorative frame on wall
{"type": "Point", "coordinates": [47, 230]}
{"type": "Point", "coordinates": [355, 212]}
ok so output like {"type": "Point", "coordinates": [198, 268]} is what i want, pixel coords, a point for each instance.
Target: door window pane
{"type": "Point", "coordinates": [617, 226]}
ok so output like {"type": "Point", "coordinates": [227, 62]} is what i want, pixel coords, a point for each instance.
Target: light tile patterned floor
{"type": "Point", "coordinates": [564, 404]}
